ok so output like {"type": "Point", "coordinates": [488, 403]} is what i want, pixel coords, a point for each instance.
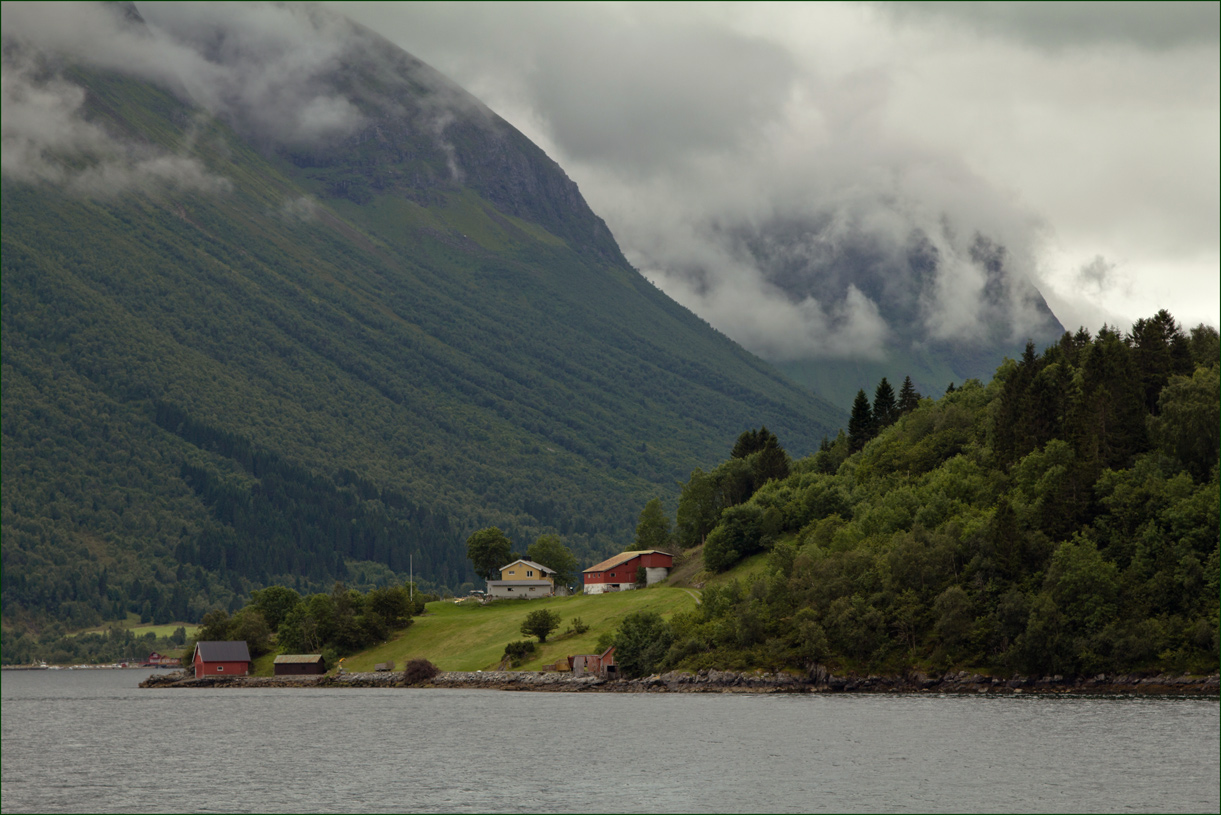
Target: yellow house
{"type": "Point", "coordinates": [526, 570]}
{"type": "Point", "coordinates": [523, 579]}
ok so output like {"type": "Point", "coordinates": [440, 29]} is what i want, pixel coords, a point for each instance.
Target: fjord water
{"type": "Point", "coordinates": [91, 741]}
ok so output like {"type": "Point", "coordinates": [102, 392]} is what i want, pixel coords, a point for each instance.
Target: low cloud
{"type": "Point", "coordinates": [46, 139]}
{"type": "Point", "coordinates": [267, 70]}
{"type": "Point", "coordinates": [301, 208]}
{"type": "Point", "coordinates": [1097, 274]}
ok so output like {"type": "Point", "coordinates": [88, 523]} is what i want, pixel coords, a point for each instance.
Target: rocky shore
{"type": "Point", "coordinates": [818, 680]}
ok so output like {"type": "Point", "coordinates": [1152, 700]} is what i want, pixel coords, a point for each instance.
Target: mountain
{"type": "Point", "coordinates": [914, 300]}
{"type": "Point", "coordinates": [285, 305]}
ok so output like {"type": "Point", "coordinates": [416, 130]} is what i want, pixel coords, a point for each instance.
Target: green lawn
{"type": "Point", "coordinates": [470, 637]}
{"type": "Point", "coordinates": [132, 623]}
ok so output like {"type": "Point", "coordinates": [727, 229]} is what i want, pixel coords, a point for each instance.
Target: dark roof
{"type": "Point", "coordinates": [219, 651]}
{"type": "Point", "coordinates": [292, 659]}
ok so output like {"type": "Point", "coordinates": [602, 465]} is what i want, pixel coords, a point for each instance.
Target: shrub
{"type": "Point", "coordinates": [641, 643]}
{"type": "Point", "coordinates": [419, 670]}
{"type": "Point", "coordinates": [518, 651]}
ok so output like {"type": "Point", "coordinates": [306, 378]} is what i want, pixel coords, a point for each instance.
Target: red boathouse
{"type": "Point", "coordinates": [221, 658]}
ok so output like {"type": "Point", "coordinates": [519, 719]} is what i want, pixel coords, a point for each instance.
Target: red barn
{"type": "Point", "coordinates": [221, 659]}
{"type": "Point", "coordinates": [156, 660]}
{"type": "Point", "coordinates": [619, 573]}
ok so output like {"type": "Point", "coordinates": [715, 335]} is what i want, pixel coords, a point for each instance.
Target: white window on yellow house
{"type": "Point", "coordinates": [512, 572]}
{"type": "Point", "coordinates": [530, 573]}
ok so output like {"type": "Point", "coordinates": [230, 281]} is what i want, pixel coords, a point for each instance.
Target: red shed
{"type": "Point", "coordinates": [602, 664]}
{"type": "Point", "coordinates": [221, 659]}
{"type": "Point", "coordinates": [619, 573]}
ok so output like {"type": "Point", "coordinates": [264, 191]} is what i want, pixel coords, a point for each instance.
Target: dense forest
{"type": "Point", "coordinates": [1062, 518]}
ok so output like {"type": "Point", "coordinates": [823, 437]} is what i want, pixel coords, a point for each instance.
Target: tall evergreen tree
{"type": "Point", "coordinates": [771, 462]}
{"type": "Point", "coordinates": [909, 397]}
{"type": "Point", "coordinates": [860, 423]}
{"type": "Point", "coordinates": [885, 410]}
{"type": "Point", "coordinates": [752, 441]}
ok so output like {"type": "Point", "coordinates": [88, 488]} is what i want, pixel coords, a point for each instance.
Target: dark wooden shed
{"type": "Point", "coordinates": [299, 664]}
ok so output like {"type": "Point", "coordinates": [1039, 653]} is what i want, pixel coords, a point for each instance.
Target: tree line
{"type": "Point", "coordinates": [1061, 519]}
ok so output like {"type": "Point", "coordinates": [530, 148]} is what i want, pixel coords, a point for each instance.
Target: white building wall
{"type": "Point", "coordinates": [655, 574]}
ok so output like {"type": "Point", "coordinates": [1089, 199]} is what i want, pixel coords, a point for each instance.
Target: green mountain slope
{"type": "Point", "coordinates": [331, 356]}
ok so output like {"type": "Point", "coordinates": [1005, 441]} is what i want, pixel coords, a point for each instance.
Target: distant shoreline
{"type": "Point", "coordinates": [960, 683]}
{"type": "Point", "coordinates": [82, 667]}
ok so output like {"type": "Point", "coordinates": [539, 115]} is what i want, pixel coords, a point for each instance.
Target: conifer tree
{"type": "Point", "coordinates": [885, 411]}
{"type": "Point", "coordinates": [909, 397]}
{"type": "Point", "coordinates": [860, 423]}
{"type": "Point", "coordinates": [752, 441]}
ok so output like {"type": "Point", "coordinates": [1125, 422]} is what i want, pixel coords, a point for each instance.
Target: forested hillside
{"type": "Point", "coordinates": [287, 362]}
{"type": "Point", "coordinates": [1062, 518]}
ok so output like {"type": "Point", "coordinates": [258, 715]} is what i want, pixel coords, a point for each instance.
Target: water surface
{"type": "Point", "coordinates": [92, 741]}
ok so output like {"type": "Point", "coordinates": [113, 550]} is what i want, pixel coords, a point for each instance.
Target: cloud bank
{"type": "Point", "coordinates": [267, 70]}
{"type": "Point", "coordinates": [1058, 131]}
{"type": "Point", "coordinates": [45, 135]}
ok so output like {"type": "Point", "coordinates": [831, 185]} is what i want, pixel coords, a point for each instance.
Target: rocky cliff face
{"type": "Point", "coordinates": [422, 134]}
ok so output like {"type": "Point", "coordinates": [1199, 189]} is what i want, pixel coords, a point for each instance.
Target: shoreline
{"type": "Point", "coordinates": [713, 681]}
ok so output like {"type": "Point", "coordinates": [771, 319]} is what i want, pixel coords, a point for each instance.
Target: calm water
{"type": "Point", "coordinates": [92, 741]}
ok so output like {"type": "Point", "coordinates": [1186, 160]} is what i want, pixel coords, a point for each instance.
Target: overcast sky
{"type": "Point", "coordinates": [1086, 134]}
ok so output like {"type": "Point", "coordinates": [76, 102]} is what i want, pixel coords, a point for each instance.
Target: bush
{"type": "Point", "coordinates": [641, 643]}
{"type": "Point", "coordinates": [518, 651]}
{"type": "Point", "coordinates": [578, 626]}
{"type": "Point", "coordinates": [418, 671]}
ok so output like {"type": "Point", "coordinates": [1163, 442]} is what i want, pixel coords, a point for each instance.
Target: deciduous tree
{"type": "Point", "coordinates": [488, 550]}
{"type": "Point", "coordinates": [550, 551]}
{"type": "Point", "coordinates": [653, 528]}
{"type": "Point", "coordinates": [540, 623]}
{"type": "Point", "coordinates": [641, 643]}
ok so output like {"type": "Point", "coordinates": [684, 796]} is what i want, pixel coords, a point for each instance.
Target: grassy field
{"type": "Point", "coordinates": [470, 637]}
{"type": "Point", "coordinates": [132, 623]}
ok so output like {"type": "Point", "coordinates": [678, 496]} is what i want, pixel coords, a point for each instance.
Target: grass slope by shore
{"type": "Point", "coordinates": [472, 637]}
